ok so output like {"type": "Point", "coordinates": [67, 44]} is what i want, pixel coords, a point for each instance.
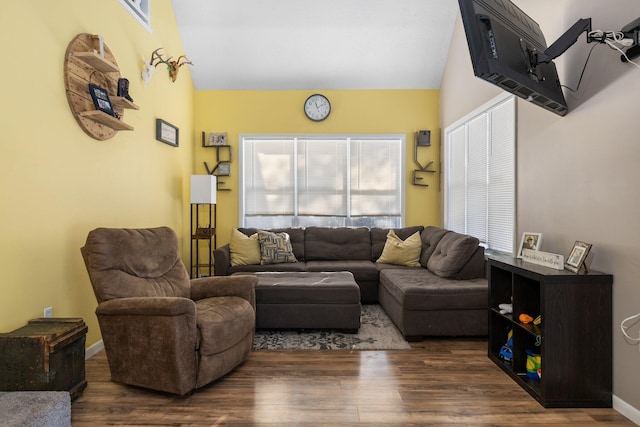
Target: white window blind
{"type": "Point", "coordinates": [352, 180]}
{"type": "Point", "coordinates": [480, 175]}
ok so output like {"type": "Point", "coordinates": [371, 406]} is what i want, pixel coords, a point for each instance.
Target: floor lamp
{"type": "Point", "coordinates": [203, 193]}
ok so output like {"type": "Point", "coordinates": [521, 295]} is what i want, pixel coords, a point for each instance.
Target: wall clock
{"type": "Point", "coordinates": [317, 107]}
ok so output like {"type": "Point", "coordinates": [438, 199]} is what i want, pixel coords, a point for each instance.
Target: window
{"type": "Point", "coordinates": [480, 174]}
{"type": "Point", "coordinates": [321, 180]}
{"type": "Point", "coordinates": [140, 10]}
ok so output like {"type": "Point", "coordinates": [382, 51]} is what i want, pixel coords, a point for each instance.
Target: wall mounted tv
{"type": "Point", "coordinates": [503, 43]}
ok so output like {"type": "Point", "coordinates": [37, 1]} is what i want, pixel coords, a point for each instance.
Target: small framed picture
{"type": "Point", "coordinates": [167, 133]}
{"type": "Point", "coordinates": [530, 241]}
{"type": "Point", "coordinates": [216, 139]}
{"type": "Point", "coordinates": [575, 260]}
{"type": "Point", "coordinates": [223, 169]}
{"type": "Point", "coordinates": [101, 99]}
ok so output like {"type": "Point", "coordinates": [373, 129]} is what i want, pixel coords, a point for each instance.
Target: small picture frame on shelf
{"type": "Point", "coordinates": [167, 133]}
{"type": "Point", "coordinates": [223, 169]}
{"type": "Point", "coordinates": [530, 241]}
{"type": "Point", "coordinates": [216, 139]}
{"type": "Point", "coordinates": [575, 260]}
{"type": "Point", "coordinates": [101, 99]}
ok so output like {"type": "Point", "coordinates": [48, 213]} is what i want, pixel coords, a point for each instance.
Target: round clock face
{"type": "Point", "coordinates": [317, 107]}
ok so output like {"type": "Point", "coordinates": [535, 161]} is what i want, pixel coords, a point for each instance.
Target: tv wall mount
{"type": "Point", "coordinates": [533, 57]}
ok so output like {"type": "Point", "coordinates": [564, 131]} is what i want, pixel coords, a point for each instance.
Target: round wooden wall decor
{"type": "Point", "coordinates": [82, 65]}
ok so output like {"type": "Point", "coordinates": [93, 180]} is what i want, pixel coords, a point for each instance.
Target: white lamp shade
{"type": "Point", "coordinates": [203, 189]}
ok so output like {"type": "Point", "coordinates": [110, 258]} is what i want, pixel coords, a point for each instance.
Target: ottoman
{"type": "Point", "coordinates": [307, 300]}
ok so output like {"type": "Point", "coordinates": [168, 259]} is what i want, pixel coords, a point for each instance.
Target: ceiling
{"type": "Point", "coordinates": [311, 44]}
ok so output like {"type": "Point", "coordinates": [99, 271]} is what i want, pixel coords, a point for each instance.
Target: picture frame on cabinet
{"type": "Point", "coordinates": [530, 241]}
{"type": "Point", "coordinates": [167, 133]}
{"type": "Point", "coordinates": [575, 260]}
{"type": "Point", "coordinates": [219, 138]}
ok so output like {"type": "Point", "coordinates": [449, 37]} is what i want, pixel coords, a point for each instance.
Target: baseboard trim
{"type": "Point", "coordinates": [93, 350]}
{"type": "Point", "coordinates": [627, 410]}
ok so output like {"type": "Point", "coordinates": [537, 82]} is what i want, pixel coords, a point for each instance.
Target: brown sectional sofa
{"type": "Point", "coordinates": [446, 296]}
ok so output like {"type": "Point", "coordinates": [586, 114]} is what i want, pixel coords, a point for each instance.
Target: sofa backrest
{"type": "Point", "coordinates": [379, 238]}
{"type": "Point", "coordinates": [451, 254]}
{"type": "Point", "coordinates": [430, 237]}
{"type": "Point", "coordinates": [296, 237]}
{"type": "Point", "coordinates": [337, 244]}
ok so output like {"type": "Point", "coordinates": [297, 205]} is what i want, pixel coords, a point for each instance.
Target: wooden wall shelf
{"type": "Point", "coordinates": [105, 119]}
{"type": "Point", "coordinates": [82, 65]}
{"type": "Point", "coordinates": [96, 61]}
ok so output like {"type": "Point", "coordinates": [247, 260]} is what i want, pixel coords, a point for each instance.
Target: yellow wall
{"type": "Point", "coordinates": [352, 111]}
{"type": "Point", "coordinates": [57, 182]}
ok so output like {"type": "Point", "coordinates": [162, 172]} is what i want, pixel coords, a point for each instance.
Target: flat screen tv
{"type": "Point", "coordinates": [504, 43]}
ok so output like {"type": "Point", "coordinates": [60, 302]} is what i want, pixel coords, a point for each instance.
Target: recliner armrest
{"type": "Point", "coordinates": [147, 306]}
{"type": "Point", "coordinates": [242, 286]}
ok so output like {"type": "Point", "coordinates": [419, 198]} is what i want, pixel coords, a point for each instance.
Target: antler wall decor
{"type": "Point", "coordinates": [172, 66]}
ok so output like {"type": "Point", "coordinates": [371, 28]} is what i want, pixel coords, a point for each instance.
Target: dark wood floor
{"type": "Point", "coordinates": [438, 382]}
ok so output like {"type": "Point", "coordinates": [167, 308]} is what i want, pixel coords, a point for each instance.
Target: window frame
{"type": "Point", "coordinates": [295, 137]}
{"type": "Point", "coordinates": [462, 125]}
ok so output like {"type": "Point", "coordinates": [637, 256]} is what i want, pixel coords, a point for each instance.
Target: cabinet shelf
{"type": "Point", "coordinates": [105, 119]}
{"type": "Point", "coordinates": [576, 311]}
{"type": "Point", "coordinates": [96, 61]}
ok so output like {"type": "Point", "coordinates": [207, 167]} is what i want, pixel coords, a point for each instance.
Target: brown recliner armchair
{"type": "Point", "coordinates": [162, 330]}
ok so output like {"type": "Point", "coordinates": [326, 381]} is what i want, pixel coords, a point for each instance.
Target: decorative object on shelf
{"type": "Point", "coordinates": [172, 66]}
{"type": "Point", "coordinates": [422, 139]}
{"type": "Point", "coordinates": [577, 257]}
{"type": "Point", "coordinates": [317, 107]}
{"type": "Point", "coordinates": [530, 241]}
{"type": "Point", "coordinates": [223, 169]}
{"type": "Point", "coordinates": [546, 259]}
{"type": "Point", "coordinates": [203, 194]}
{"type": "Point", "coordinates": [167, 133]}
{"type": "Point", "coordinates": [215, 139]}
{"type": "Point", "coordinates": [88, 60]}
{"type": "Point", "coordinates": [123, 89]}
{"type": "Point", "coordinates": [101, 99]}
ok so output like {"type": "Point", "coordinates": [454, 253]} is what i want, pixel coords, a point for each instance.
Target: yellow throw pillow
{"type": "Point", "coordinates": [244, 250]}
{"type": "Point", "coordinates": [402, 252]}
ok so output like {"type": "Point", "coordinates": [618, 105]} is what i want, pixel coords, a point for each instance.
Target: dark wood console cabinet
{"type": "Point", "coordinates": [574, 339]}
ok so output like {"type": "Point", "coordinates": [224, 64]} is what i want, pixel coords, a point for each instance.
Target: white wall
{"type": "Point", "coordinates": [577, 175]}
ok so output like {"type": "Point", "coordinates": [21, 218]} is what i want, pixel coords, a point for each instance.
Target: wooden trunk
{"type": "Point", "coordinates": [46, 354]}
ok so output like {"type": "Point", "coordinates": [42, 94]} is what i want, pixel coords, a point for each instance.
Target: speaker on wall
{"type": "Point", "coordinates": [423, 138]}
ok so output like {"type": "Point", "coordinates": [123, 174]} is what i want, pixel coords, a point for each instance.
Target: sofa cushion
{"type": "Point", "coordinates": [342, 243]}
{"type": "Point", "coordinates": [452, 252]}
{"type": "Point", "coordinates": [275, 248]}
{"type": "Point", "coordinates": [401, 252]}
{"type": "Point", "coordinates": [418, 289]}
{"type": "Point", "coordinates": [379, 237]}
{"type": "Point", "coordinates": [245, 250]}
{"type": "Point", "coordinates": [296, 237]}
{"type": "Point", "coordinates": [431, 236]}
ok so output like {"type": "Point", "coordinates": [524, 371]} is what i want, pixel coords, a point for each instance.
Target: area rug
{"type": "Point", "coordinates": [377, 332]}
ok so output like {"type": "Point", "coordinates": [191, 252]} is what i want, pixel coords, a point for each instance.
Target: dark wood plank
{"type": "Point", "coordinates": [438, 381]}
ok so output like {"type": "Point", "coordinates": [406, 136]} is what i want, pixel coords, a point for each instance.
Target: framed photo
{"type": "Point", "coordinates": [223, 169]}
{"type": "Point", "coordinates": [216, 139]}
{"type": "Point", "coordinates": [167, 133]}
{"type": "Point", "coordinates": [578, 255]}
{"type": "Point", "coordinates": [101, 99]}
{"type": "Point", "coordinates": [530, 241]}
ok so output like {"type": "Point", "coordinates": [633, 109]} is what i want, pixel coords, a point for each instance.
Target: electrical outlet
{"type": "Point", "coordinates": [48, 312]}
